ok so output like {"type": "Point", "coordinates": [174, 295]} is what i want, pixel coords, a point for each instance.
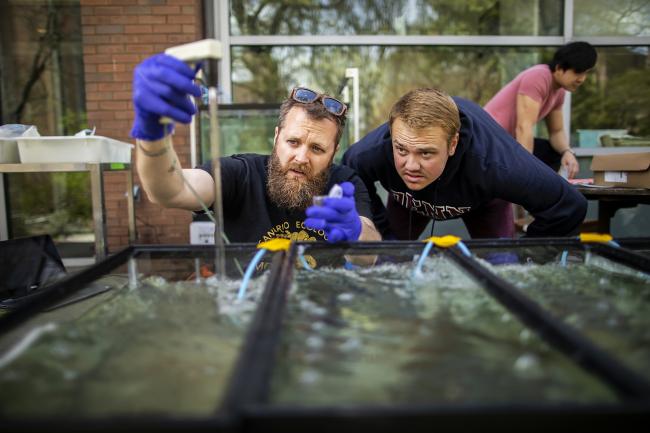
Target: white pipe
{"type": "Point", "coordinates": [353, 73]}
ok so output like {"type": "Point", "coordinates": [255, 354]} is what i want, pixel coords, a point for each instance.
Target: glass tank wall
{"type": "Point", "coordinates": [607, 301]}
{"type": "Point", "coordinates": [381, 329]}
{"type": "Point", "coordinates": [384, 335]}
{"type": "Point", "coordinates": [160, 336]}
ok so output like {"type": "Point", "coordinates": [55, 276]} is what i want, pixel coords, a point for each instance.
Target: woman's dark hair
{"type": "Point", "coordinates": [579, 56]}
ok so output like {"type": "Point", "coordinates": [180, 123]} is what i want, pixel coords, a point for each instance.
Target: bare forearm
{"type": "Point", "coordinates": [368, 231]}
{"type": "Point", "coordinates": [559, 141]}
{"type": "Point", "coordinates": [157, 164]}
{"type": "Point", "coordinates": [524, 136]}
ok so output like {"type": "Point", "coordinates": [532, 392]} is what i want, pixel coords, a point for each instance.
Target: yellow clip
{"type": "Point", "coordinates": [444, 241]}
{"type": "Point", "coordinates": [277, 244]}
{"type": "Point", "coordinates": [595, 237]}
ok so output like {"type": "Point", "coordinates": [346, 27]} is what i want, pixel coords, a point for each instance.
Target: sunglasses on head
{"type": "Point", "coordinates": [307, 96]}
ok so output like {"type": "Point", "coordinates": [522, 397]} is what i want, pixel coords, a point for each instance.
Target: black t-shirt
{"type": "Point", "coordinates": [250, 215]}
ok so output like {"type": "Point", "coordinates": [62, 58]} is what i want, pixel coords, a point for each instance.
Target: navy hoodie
{"type": "Point", "coordinates": [488, 164]}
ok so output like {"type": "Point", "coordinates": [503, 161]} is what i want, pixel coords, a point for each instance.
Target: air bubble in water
{"type": "Point", "coordinates": [527, 364]}
{"type": "Point", "coordinates": [309, 377]}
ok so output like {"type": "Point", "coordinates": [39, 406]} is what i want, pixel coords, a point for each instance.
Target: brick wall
{"type": "Point", "coordinates": [117, 35]}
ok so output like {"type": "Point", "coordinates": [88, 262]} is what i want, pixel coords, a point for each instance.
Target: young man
{"type": "Point", "coordinates": [538, 93]}
{"type": "Point", "coordinates": [264, 197]}
{"type": "Point", "coordinates": [441, 158]}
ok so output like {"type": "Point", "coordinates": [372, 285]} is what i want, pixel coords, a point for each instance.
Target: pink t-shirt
{"type": "Point", "coordinates": [535, 82]}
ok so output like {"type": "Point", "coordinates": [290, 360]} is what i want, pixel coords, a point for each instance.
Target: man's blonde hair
{"type": "Point", "coordinates": [427, 107]}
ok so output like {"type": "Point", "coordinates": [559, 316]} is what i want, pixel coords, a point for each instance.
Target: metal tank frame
{"type": "Point", "coordinates": [249, 394]}
{"type": "Point", "coordinates": [245, 406]}
{"type": "Point", "coordinates": [219, 421]}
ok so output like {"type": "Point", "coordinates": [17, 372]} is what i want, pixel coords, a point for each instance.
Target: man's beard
{"type": "Point", "coordinates": [293, 193]}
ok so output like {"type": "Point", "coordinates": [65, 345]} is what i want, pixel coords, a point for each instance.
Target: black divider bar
{"type": "Point", "coordinates": [60, 289]}
{"type": "Point", "coordinates": [634, 242]}
{"type": "Point", "coordinates": [524, 242]}
{"type": "Point", "coordinates": [623, 256]}
{"type": "Point", "coordinates": [629, 384]}
{"type": "Point", "coordinates": [184, 249]}
{"type": "Point", "coordinates": [479, 243]}
{"type": "Point", "coordinates": [446, 418]}
{"type": "Point", "coordinates": [141, 424]}
{"type": "Point", "coordinates": [249, 383]}
{"type": "Point", "coordinates": [360, 246]}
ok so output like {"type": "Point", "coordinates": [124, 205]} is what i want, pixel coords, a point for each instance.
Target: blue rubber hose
{"type": "Point", "coordinates": [301, 258]}
{"type": "Point", "coordinates": [463, 248]}
{"type": "Point", "coordinates": [249, 272]}
{"type": "Point", "coordinates": [425, 252]}
{"type": "Point", "coordinates": [563, 258]}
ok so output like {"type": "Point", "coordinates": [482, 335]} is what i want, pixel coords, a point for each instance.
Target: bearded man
{"type": "Point", "coordinates": [264, 197]}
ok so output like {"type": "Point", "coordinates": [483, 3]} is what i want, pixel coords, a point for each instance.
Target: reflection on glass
{"type": "Point", "coordinates": [266, 74]}
{"type": "Point", "coordinates": [249, 128]}
{"type": "Point", "coordinates": [379, 336]}
{"type": "Point", "coordinates": [42, 84]}
{"type": "Point", "coordinates": [611, 17]}
{"type": "Point", "coordinates": [242, 128]}
{"type": "Point", "coordinates": [42, 65]}
{"type": "Point", "coordinates": [616, 95]}
{"type": "Point", "coordinates": [57, 204]}
{"type": "Point", "coordinates": [165, 347]}
{"type": "Point", "coordinates": [397, 17]}
{"type": "Point", "coordinates": [606, 301]}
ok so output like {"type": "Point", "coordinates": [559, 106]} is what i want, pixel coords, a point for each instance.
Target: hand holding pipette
{"type": "Point", "coordinates": [337, 215]}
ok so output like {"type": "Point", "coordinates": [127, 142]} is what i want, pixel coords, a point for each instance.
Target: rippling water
{"type": "Point", "coordinates": [379, 336]}
{"type": "Point", "coordinates": [165, 347]}
{"type": "Point", "coordinates": [607, 302]}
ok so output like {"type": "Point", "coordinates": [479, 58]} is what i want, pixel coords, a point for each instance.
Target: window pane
{"type": "Point", "coordinates": [248, 128]}
{"type": "Point", "coordinates": [611, 17]}
{"type": "Point", "coordinates": [266, 74]}
{"type": "Point", "coordinates": [397, 17]}
{"type": "Point", "coordinates": [617, 94]}
{"type": "Point", "coordinates": [245, 128]}
{"type": "Point", "coordinates": [42, 65]}
{"type": "Point", "coordinates": [42, 84]}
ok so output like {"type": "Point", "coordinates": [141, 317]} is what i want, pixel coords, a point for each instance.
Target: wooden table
{"type": "Point", "coordinates": [611, 199]}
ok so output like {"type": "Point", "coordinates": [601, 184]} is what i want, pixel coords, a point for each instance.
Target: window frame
{"type": "Point", "coordinates": [220, 29]}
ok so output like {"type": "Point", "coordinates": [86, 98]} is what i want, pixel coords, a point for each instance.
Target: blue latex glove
{"type": "Point", "coordinates": [337, 216]}
{"type": "Point", "coordinates": [161, 85]}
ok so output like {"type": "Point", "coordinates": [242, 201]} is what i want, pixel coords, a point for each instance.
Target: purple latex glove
{"type": "Point", "coordinates": [161, 85]}
{"type": "Point", "coordinates": [337, 216]}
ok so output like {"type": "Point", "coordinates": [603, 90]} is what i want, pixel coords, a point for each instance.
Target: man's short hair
{"type": "Point", "coordinates": [316, 111]}
{"type": "Point", "coordinates": [427, 107]}
{"type": "Point", "coordinates": [578, 56]}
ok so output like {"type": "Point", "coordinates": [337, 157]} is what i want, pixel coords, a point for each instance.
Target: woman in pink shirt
{"type": "Point", "coordinates": [538, 93]}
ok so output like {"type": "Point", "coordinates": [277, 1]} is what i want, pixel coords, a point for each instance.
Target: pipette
{"type": "Point", "coordinates": [335, 192]}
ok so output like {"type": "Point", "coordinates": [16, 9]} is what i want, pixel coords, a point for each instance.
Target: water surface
{"type": "Point", "coordinates": [377, 335]}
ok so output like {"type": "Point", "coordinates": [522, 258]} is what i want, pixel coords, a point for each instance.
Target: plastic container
{"type": "Point", "coordinates": [8, 145]}
{"type": "Point", "coordinates": [73, 149]}
{"type": "Point", "coordinates": [9, 151]}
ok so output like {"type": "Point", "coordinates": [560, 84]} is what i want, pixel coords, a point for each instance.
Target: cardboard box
{"type": "Point", "coordinates": [622, 169]}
